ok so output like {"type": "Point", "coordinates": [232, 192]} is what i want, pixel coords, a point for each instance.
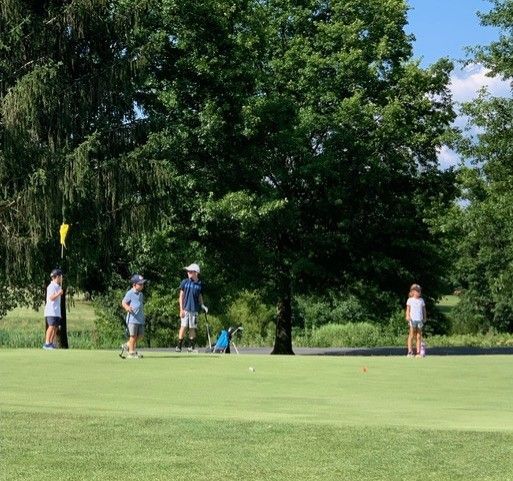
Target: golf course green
{"type": "Point", "coordinates": [87, 415]}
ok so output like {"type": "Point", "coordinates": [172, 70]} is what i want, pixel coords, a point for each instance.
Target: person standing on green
{"type": "Point", "coordinates": [190, 302]}
{"type": "Point", "coordinates": [53, 308]}
{"type": "Point", "coordinates": [133, 304]}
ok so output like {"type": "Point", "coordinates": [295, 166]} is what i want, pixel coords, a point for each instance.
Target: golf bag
{"type": "Point", "coordinates": [225, 340]}
{"type": "Point", "coordinates": [222, 344]}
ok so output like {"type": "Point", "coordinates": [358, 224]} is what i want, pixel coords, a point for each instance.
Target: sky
{"type": "Point", "coordinates": [443, 28]}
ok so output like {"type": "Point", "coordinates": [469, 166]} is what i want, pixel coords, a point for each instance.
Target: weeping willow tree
{"type": "Point", "coordinates": [71, 77]}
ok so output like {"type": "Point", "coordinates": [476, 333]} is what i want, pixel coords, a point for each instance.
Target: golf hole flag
{"type": "Point", "coordinates": [63, 231]}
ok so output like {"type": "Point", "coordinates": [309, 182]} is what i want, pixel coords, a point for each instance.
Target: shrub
{"type": "Point", "coordinates": [312, 312]}
{"type": "Point", "coordinates": [255, 316]}
{"type": "Point", "coordinates": [491, 339]}
{"type": "Point", "coordinates": [109, 324]}
{"type": "Point", "coordinates": [361, 334]}
{"type": "Point", "coordinates": [469, 317]}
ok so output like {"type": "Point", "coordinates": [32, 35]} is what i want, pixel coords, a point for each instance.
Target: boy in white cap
{"type": "Point", "coordinates": [133, 304]}
{"type": "Point", "coordinates": [53, 308]}
{"type": "Point", "coordinates": [190, 302]}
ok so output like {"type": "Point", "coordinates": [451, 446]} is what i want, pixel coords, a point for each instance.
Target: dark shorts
{"type": "Point", "coordinates": [53, 321]}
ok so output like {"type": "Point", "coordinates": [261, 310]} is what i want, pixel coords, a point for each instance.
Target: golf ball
{"type": "Point", "coordinates": [252, 369]}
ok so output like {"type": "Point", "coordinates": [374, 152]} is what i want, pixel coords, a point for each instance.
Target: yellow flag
{"type": "Point", "coordinates": [64, 232]}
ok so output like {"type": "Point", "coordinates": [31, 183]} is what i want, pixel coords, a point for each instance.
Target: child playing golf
{"type": "Point", "coordinates": [190, 301]}
{"type": "Point", "coordinates": [133, 304]}
{"type": "Point", "coordinates": [416, 317]}
{"type": "Point", "coordinates": [53, 308]}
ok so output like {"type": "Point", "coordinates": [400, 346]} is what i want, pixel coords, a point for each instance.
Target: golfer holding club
{"type": "Point", "coordinates": [133, 304]}
{"type": "Point", "coordinates": [190, 302]}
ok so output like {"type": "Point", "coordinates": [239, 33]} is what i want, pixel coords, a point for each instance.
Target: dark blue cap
{"type": "Point", "coordinates": [55, 273]}
{"type": "Point", "coordinates": [137, 279]}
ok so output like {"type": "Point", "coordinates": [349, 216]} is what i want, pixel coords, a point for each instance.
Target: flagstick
{"type": "Point", "coordinates": [63, 330]}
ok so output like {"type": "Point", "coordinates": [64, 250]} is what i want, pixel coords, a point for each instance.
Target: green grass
{"type": "Point", "coordinates": [85, 415]}
{"type": "Point", "coordinates": [25, 327]}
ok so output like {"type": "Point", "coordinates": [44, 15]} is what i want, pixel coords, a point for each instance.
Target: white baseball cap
{"type": "Point", "coordinates": [193, 268]}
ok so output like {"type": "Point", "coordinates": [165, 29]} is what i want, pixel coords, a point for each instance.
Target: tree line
{"type": "Point", "coordinates": [288, 147]}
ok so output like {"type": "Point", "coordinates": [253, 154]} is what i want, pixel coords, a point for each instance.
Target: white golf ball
{"type": "Point", "coordinates": [252, 369]}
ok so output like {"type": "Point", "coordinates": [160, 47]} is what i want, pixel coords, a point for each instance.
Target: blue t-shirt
{"type": "Point", "coordinates": [136, 301]}
{"type": "Point", "coordinates": [191, 293]}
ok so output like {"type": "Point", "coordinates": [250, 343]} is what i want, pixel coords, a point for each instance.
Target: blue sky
{"type": "Point", "coordinates": [444, 27]}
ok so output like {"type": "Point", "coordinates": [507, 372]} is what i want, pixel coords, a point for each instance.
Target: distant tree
{"type": "Point", "coordinates": [484, 226]}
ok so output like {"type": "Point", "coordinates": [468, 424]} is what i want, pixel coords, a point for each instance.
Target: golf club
{"type": "Point", "coordinates": [208, 333]}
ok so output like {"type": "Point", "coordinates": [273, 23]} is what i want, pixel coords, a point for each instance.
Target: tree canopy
{"type": "Point", "coordinates": [290, 147]}
{"type": "Point", "coordinates": [483, 225]}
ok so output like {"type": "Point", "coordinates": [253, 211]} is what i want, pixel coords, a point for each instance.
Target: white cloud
{"type": "Point", "coordinates": [448, 158]}
{"type": "Point", "coordinates": [466, 82]}
{"type": "Point", "coordinates": [465, 85]}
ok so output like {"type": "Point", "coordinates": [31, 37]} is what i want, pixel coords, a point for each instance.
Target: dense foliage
{"type": "Point", "coordinates": [482, 228]}
{"type": "Point", "coordinates": [289, 147]}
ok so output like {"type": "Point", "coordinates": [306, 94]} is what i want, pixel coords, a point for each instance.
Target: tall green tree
{"type": "Point", "coordinates": [483, 226]}
{"type": "Point", "coordinates": [70, 78]}
{"type": "Point", "coordinates": [288, 146]}
{"type": "Point", "coordinates": [309, 140]}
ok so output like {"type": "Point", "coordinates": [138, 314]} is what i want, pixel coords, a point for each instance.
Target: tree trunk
{"type": "Point", "coordinates": [63, 328]}
{"type": "Point", "coordinates": [283, 338]}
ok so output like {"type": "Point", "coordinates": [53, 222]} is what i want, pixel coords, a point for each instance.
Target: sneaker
{"type": "Point", "coordinates": [192, 350]}
{"type": "Point", "coordinates": [132, 355]}
{"type": "Point", "coordinates": [124, 349]}
{"type": "Point", "coordinates": [139, 355]}
{"type": "Point", "coordinates": [54, 345]}
{"type": "Point", "coordinates": [48, 347]}
{"type": "Point", "coordinates": [178, 349]}
{"type": "Point", "coordinates": [418, 356]}
{"type": "Point", "coordinates": [410, 354]}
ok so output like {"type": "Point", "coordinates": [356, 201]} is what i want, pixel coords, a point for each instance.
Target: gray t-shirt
{"type": "Point", "coordinates": [136, 301]}
{"type": "Point", "coordinates": [53, 308]}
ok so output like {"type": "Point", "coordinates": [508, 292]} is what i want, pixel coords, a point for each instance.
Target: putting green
{"type": "Point", "coordinates": [180, 416]}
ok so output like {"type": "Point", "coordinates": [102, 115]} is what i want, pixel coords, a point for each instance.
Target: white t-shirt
{"type": "Point", "coordinates": [53, 308]}
{"type": "Point", "coordinates": [416, 308]}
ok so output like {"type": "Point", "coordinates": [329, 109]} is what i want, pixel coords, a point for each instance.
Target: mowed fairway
{"type": "Point", "coordinates": [88, 415]}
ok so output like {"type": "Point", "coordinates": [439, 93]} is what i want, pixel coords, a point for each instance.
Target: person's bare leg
{"type": "Point", "coordinates": [410, 340]}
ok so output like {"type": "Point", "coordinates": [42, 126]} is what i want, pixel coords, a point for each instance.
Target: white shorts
{"type": "Point", "coordinates": [190, 320]}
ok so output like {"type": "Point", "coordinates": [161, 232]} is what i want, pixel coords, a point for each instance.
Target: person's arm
{"type": "Point", "coordinates": [408, 315]}
{"type": "Point", "coordinates": [200, 299]}
{"type": "Point", "coordinates": [55, 295]}
{"type": "Point", "coordinates": [126, 305]}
